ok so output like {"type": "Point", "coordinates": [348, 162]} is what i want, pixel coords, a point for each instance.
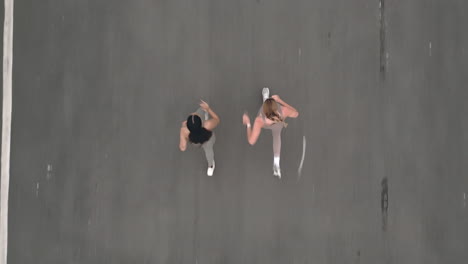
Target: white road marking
{"type": "Point", "coordinates": [430, 48]}
{"type": "Point", "coordinates": [37, 189]}
{"type": "Point", "coordinates": [299, 170]}
{"type": "Point", "coordinates": [6, 127]}
{"type": "Point", "coordinates": [49, 171]}
{"type": "Point", "coordinates": [464, 199]}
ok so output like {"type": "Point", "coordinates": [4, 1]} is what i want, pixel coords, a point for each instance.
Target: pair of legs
{"type": "Point", "coordinates": [208, 148]}
{"type": "Point", "coordinates": [208, 145]}
{"type": "Point", "coordinates": [276, 133]}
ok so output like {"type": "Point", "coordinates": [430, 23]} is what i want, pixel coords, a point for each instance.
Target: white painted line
{"type": "Point", "coordinates": [6, 127]}
{"type": "Point", "coordinates": [430, 48]}
{"type": "Point", "coordinates": [299, 170]}
{"type": "Point", "coordinates": [464, 199]}
{"type": "Point", "coordinates": [49, 171]}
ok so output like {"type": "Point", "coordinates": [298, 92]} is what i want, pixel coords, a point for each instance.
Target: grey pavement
{"type": "Point", "coordinates": [100, 89]}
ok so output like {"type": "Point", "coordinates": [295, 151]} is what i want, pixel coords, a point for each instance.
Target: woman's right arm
{"type": "Point", "coordinates": [214, 118]}
{"type": "Point", "coordinates": [288, 110]}
{"type": "Point", "coordinates": [214, 121]}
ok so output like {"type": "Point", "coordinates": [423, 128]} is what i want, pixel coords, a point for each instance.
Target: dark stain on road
{"type": "Point", "coordinates": [384, 203]}
{"type": "Point", "coordinates": [358, 257]}
{"type": "Point", "coordinates": [383, 48]}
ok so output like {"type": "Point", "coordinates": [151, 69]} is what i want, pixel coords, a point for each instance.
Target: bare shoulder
{"type": "Point", "coordinates": [258, 121]}
{"type": "Point", "coordinates": [210, 124]}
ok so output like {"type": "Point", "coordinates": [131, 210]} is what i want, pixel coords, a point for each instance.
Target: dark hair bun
{"type": "Point", "coordinates": [198, 134]}
{"type": "Point", "coordinates": [194, 123]}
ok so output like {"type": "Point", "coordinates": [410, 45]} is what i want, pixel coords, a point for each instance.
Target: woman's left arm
{"type": "Point", "coordinates": [252, 133]}
{"type": "Point", "coordinates": [183, 137]}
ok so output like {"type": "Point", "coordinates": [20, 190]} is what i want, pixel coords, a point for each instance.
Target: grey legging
{"type": "Point", "coordinates": [208, 145]}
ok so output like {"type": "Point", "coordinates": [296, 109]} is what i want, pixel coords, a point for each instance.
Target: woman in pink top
{"type": "Point", "coordinates": [270, 116]}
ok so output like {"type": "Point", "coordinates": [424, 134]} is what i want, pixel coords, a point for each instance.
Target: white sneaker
{"type": "Point", "coordinates": [210, 170]}
{"type": "Point", "coordinates": [277, 172]}
{"type": "Point", "coordinates": [265, 93]}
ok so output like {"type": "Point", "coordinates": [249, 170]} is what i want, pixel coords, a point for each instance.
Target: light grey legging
{"type": "Point", "coordinates": [275, 132]}
{"type": "Point", "coordinates": [208, 145]}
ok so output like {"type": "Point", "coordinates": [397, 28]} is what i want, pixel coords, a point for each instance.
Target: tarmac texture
{"type": "Point", "coordinates": [100, 89]}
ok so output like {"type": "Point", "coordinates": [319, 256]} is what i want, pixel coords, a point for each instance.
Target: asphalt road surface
{"type": "Point", "coordinates": [100, 89]}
